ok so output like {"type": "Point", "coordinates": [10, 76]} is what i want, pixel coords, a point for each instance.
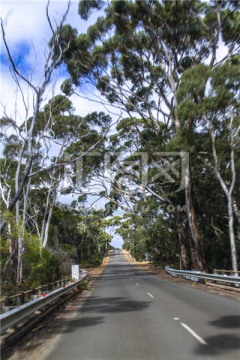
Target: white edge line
{"type": "Point", "coordinates": [203, 342]}
{"type": "Point", "coordinates": [150, 295]}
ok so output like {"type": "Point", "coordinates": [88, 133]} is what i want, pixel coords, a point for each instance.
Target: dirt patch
{"type": "Point", "coordinates": [215, 288]}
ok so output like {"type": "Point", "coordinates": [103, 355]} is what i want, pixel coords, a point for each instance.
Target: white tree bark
{"type": "Point", "coordinates": [227, 190]}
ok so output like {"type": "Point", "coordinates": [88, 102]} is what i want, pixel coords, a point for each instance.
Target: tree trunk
{"type": "Point", "coordinates": [19, 260]}
{"type": "Point", "coordinates": [228, 191]}
{"type": "Point", "coordinates": [199, 261]}
{"type": "Point", "coordinates": [45, 238]}
{"type": "Point", "coordinates": [182, 242]}
{"type": "Point", "coordinates": [231, 234]}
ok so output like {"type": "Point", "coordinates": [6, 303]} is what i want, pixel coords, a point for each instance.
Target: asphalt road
{"type": "Point", "coordinates": [132, 314]}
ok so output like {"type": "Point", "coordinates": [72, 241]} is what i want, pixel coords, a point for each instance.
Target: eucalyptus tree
{"type": "Point", "coordinates": [210, 96]}
{"type": "Point", "coordinates": [82, 230]}
{"type": "Point", "coordinates": [37, 149]}
{"type": "Point", "coordinates": [60, 138]}
{"type": "Point", "coordinates": [135, 55]}
{"type": "Point", "coordinates": [26, 138]}
{"type": "Point", "coordinates": [70, 137]}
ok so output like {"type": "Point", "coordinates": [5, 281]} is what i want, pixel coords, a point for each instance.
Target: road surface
{"type": "Point", "coordinates": [132, 314]}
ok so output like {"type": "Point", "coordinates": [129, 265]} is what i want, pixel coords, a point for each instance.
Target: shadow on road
{"type": "Point", "coordinates": [227, 322]}
{"type": "Point", "coordinates": [224, 342]}
{"type": "Point", "coordinates": [113, 304]}
{"type": "Point", "coordinates": [96, 305]}
{"type": "Point", "coordinates": [219, 344]}
{"type": "Point", "coordinates": [82, 323]}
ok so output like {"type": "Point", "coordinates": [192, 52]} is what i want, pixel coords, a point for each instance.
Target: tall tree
{"type": "Point", "coordinates": [135, 55]}
{"type": "Point", "coordinates": [38, 150]}
{"type": "Point", "coordinates": [213, 97]}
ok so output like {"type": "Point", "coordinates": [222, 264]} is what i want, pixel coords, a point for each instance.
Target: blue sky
{"type": "Point", "coordinates": [27, 33]}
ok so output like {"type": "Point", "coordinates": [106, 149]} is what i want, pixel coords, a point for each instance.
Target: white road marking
{"type": "Point", "coordinates": [150, 295]}
{"type": "Point", "coordinates": [137, 284]}
{"type": "Point", "coordinates": [203, 342]}
{"type": "Point", "coordinates": [176, 318]}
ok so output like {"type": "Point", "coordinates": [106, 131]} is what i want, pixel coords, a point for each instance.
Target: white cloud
{"type": "Point", "coordinates": [27, 20]}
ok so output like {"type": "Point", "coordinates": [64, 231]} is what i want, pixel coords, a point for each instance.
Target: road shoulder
{"type": "Point", "coordinates": [146, 265]}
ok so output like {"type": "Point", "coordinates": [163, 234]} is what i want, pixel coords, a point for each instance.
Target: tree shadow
{"type": "Point", "coordinates": [113, 305]}
{"type": "Point", "coordinates": [227, 322]}
{"type": "Point", "coordinates": [224, 342]}
{"type": "Point", "coordinates": [84, 322]}
{"type": "Point", "coordinates": [219, 344]}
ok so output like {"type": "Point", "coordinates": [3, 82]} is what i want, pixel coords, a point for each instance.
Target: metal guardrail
{"type": "Point", "coordinates": [193, 275]}
{"type": "Point", "coordinates": [12, 317]}
{"type": "Point", "coordinates": [25, 296]}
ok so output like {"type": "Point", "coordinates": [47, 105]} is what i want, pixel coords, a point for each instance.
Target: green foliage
{"type": "Point", "coordinates": [96, 261]}
{"type": "Point", "coordinates": [84, 285]}
{"type": "Point", "coordinates": [40, 265]}
{"type": "Point", "coordinates": [86, 6]}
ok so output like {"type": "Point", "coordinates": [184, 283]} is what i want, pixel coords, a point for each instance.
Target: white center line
{"type": "Point", "coordinates": [203, 342]}
{"type": "Point", "coordinates": [150, 295]}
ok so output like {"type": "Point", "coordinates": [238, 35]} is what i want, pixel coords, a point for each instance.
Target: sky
{"type": "Point", "coordinates": [27, 34]}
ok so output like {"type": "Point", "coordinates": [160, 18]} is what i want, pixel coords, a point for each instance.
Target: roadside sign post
{"type": "Point", "coordinates": [75, 272]}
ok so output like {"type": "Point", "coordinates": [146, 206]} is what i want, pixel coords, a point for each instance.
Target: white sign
{"type": "Point", "coordinates": [75, 272]}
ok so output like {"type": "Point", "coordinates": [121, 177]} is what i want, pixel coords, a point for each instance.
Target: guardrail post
{"type": "Point", "coordinates": [34, 295]}
{"type": "Point", "coordinates": [6, 301]}
{"type": "Point", "coordinates": [39, 291]}
{"type": "Point", "coordinates": [6, 304]}
{"type": "Point", "coordinates": [22, 297]}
